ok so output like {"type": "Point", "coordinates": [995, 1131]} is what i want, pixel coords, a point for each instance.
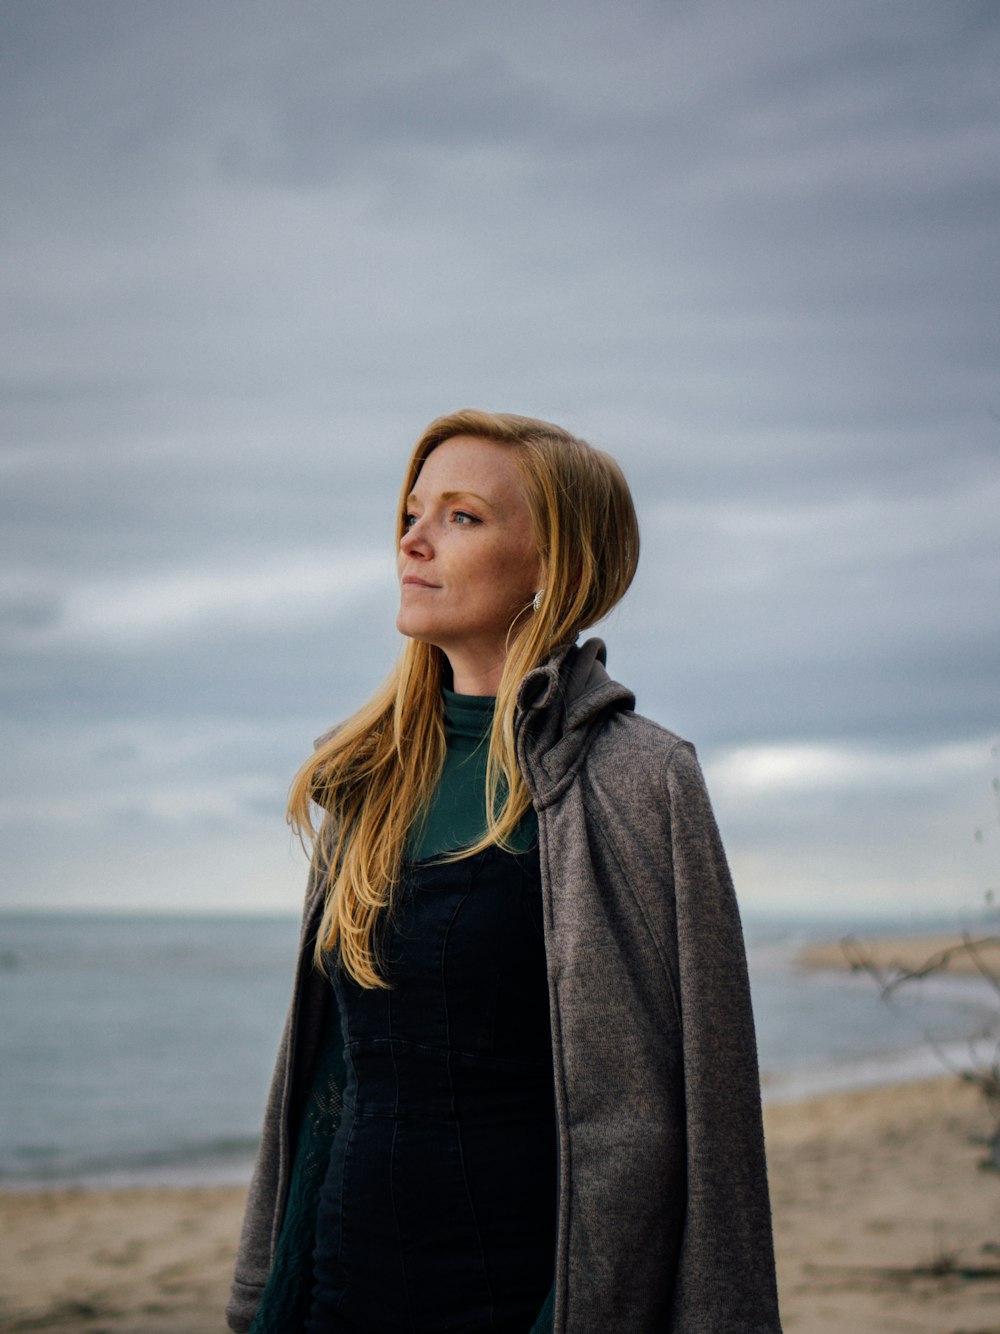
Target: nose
{"type": "Point", "coordinates": [414, 540]}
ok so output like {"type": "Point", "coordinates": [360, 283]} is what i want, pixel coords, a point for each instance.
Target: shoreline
{"type": "Point", "coordinates": [907, 953]}
{"type": "Point", "coordinates": [869, 1188]}
{"type": "Point", "coordinates": [779, 1086]}
{"type": "Point", "coordinates": [881, 1210]}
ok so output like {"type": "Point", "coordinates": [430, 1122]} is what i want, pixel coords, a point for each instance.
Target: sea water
{"type": "Point", "coordinates": [819, 1031]}
{"type": "Point", "coordinates": [138, 1049]}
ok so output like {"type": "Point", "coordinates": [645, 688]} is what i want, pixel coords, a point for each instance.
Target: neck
{"type": "Point", "coordinates": [475, 676]}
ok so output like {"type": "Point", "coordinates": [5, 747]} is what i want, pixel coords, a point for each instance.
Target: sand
{"type": "Point", "coordinates": [874, 1190]}
{"type": "Point", "coordinates": [871, 1189]}
{"type": "Point", "coordinates": [885, 1221]}
{"type": "Point", "coordinates": [908, 953]}
{"type": "Point", "coordinates": [129, 1260]}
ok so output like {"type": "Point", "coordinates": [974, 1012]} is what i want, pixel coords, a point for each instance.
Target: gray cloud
{"type": "Point", "coordinates": [251, 252]}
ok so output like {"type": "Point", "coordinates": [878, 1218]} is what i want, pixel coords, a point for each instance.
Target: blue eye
{"type": "Point", "coordinates": [462, 517]}
{"type": "Point", "coordinates": [409, 520]}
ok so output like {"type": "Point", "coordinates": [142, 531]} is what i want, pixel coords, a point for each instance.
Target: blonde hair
{"type": "Point", "coordinates": [374, 777]}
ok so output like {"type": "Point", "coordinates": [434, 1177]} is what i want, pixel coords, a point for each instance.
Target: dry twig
{"type": "Point", "coordinates": [984, 1073]}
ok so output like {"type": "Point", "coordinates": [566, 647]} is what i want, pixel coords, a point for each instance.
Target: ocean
{"type": "Point", "coordinates": [137, 1050]}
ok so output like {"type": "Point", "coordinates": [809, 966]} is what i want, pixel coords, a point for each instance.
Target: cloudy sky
{"type": "Point", "coordinates": [251, 249]}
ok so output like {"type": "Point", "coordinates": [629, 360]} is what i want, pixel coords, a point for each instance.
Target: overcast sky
{"type": "Point", "coordinates": [250, 249]}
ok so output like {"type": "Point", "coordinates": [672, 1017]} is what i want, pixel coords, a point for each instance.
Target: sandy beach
{"type": "Point", "coordinates": [909, 953]}
{"type": "Point", "coordinates": [873, 1192]}
{"type": "Point", "coordinates": [885, 1220]}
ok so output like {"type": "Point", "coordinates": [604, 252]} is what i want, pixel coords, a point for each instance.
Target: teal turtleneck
{"type": "Point", "coordinates": [456, 815]}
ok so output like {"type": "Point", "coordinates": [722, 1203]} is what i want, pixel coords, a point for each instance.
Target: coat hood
{"type": "Point", "coordinates": [560, 707]}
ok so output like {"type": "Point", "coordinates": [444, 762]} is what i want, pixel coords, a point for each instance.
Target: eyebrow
{"type": "Point", "coordinates": [449, 496]}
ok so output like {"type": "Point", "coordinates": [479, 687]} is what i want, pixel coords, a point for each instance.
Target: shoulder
{"type": "Point", "coordinates": [653, 752]}
{"type": "Point", "coordinates": [643, 782]}
{"type": "Point", "coordinates": [626, 727]}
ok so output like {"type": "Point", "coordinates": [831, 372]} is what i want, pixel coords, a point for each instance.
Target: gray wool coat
{"type": "Point", "coordinates": [664, 1221]}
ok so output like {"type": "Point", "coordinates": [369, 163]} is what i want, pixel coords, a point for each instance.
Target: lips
{"type": "Point", "coordinates": [412, 581]}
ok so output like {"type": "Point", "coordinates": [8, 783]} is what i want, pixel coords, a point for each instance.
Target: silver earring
{"type": "Point", "coordinates": [536, 601]}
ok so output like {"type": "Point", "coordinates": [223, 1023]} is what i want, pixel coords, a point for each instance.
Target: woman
{"type": "Point", "coordinates": [517, 1089]}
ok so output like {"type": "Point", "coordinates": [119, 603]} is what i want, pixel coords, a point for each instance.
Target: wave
{"type": "Point", "coordinates": [224, 1161]}
{"type": "Point", "coordinates": [888, 1068]}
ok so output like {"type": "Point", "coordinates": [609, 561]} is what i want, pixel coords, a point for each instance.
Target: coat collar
{"type": "Point", "coordinates": [561, 705]}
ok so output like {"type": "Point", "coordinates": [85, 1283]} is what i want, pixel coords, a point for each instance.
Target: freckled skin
{"type": "Point", "coordinates": [468, 562]}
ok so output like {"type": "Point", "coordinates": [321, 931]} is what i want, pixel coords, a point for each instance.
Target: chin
{"type": "Point", "coordinates": [411, 627]}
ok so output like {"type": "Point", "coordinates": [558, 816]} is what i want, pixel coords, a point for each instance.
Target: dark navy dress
{"type": "Point", "coordinates": [438, 1212]}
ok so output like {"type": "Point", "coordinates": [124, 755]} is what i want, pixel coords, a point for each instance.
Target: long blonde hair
{"type": "Point", "coordinates": [374, 776]}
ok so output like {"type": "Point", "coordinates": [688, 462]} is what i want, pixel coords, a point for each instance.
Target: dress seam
{"type": "Point", "coordinates": [451, 1090]}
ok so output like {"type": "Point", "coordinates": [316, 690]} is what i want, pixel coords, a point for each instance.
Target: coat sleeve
{"type": "Point", "coordinates": [253, 1256]}
{"type": "Point", "coordinates": [725, 1278]}
{"type": "Point", "coordinates": [272, 1169]}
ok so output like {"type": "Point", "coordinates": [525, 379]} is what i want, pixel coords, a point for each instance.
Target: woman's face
{"type": "Point", "coordinates": [468, 561]}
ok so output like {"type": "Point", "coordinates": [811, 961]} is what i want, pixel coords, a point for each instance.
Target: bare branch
{"type": "Point", "coordinates": [984, 1073]}
{"type": "Point", "coordinates": [892, 975]}
{"type": "Point", "coordinates": [975, 954]}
